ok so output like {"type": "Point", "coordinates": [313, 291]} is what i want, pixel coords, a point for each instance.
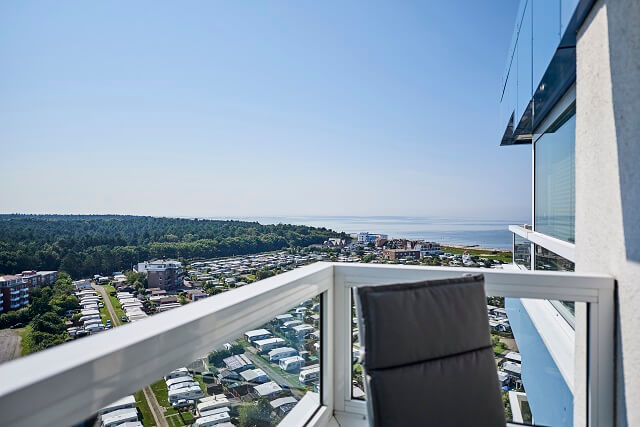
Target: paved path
{"type": "Point", "coordinates": [156, 409]}
{"type": "Point", "coordinates": [107, 303]}
{"type": "Point", "coordinates": [10, 345]}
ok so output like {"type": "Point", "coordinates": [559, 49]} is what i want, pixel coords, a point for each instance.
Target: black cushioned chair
{"type": "Point", "coordinates": [427, 355]}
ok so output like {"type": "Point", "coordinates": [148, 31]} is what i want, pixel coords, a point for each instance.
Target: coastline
{"type": "Point", "coordinates": [488, 234]}
{"type": "Point", "coordinates": [474, 248]}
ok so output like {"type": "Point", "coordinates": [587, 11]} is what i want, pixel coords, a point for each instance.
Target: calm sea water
{"type": "Point", "coordinates": [457, 231]}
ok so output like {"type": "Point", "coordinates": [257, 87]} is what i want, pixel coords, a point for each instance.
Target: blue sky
{"type": "Point", "coordinates": [246, 108]}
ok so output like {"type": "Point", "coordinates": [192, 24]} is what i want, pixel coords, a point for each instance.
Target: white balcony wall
{"type": "Point", "coordinates": [608, 177]}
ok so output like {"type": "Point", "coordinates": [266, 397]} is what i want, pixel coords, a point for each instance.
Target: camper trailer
{"type": "Point", "coordinates": [269, 344]}
{"type": "Point", "coordinates": [309, 374]}
{"type": "Point", "coordinates": [187, 393]}
{"type": "Point", "coordinates": [291, 363]}
{"type": "Point", "coordinates": [282, 352]}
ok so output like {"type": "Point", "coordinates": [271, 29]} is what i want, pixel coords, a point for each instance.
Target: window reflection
{"type": "Point", "coordinates": [555, 181]}
{"type": "Point", "coordinates": [522, 252]}
{"type": "Point", "coordinates": [547, 260]}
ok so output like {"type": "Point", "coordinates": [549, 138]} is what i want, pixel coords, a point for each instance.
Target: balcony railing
{"type": "Point", "coordinates": [75, 380]}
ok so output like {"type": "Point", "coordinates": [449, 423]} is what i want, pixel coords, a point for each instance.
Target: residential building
{"type": "Point", "coordinates": [370, 238]}
{"type": "Point", "coordinates": [429, 248]}
{"type": "Point", "coordinates": [39, 278]}
{"type": "Point", "coordinates": [571, 92]}
{"type": "Point", "coordinates": [14, 289]}
{"type": "Point", "coordinates": [163, 274]}
{"type": "Point", "coordinates": [15, 292]}
{"type": "Point", "coordinates": [394, 254]}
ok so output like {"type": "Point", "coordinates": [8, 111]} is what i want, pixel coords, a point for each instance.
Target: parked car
{"type": "Point", "coordinates": [182, 403]}
{"type": "Point", "coordinates": [123, 319]}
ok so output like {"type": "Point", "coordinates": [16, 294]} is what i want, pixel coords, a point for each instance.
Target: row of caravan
{"type": "Point", "coordinates": [119, 413]}
{"type": "Point", "coordinates": [181, 386]}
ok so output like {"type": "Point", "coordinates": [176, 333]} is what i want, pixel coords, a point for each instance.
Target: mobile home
{"type": "Point", "coordinates": [291, 363]}
{"type": "Point", "coordinates": [213, 420]}
{"type": "Point", "coordinates": [257, 334]}
{"type": "Point", "coordinates": [180, 372]}
{"type": "Point", "coordinates": [187, 393]}
{"type": "Point", "coordinates": [264, 346]}
{"type": "Point", "coordinates": [282, 352]}
{"type": "Point", "coordinates": [178, 380]}
{"type": "Point", "coordinates": [309, 374]}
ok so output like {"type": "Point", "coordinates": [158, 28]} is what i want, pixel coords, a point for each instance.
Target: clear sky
{"type": "Point", "coordinates": [253, 108]}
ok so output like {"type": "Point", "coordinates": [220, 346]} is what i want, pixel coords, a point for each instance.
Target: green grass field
{"type": "Point", "coordinates": [114, 301]}
{"type": "Point", "coordinates": [159, 388]}
{"type": "Point", "coordinates": [104, 315]}
{"type": "Point", "coordinates": [24, 345]}
{"type": "Point", "coordinates": [504, 256]}
{"type": "Point", "coordinates": [145, 412]}
{"type": "Point", "coordinates": [161, 392]}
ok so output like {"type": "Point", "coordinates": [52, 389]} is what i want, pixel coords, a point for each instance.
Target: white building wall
{"type": "Point", "coordinates": [608, 178]}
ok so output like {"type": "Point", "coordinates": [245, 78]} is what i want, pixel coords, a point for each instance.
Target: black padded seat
{"type": "Point", "coordinates": [427, 354]}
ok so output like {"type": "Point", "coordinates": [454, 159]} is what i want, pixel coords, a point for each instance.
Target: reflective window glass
{"type": "Point", "coordinates": [555, 181]}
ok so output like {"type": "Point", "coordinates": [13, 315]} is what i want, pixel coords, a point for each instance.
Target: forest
{"type": "Point", "coordinates": [84, 245]}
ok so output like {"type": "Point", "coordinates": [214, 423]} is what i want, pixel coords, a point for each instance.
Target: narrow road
{"type": "Point", "coordinates": [10, 345]}
{"type": "Point", "coordinates": [107, 303]}
{"type": "Point", "coordinates": [156, 409]}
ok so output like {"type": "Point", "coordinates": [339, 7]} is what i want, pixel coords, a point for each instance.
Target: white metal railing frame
{"type": "Point", "coordinates": [595, 290]}
{"type": "Point", "coordinates": [68, 383]}
{"type": "Point", "coordinates": [564, 249]}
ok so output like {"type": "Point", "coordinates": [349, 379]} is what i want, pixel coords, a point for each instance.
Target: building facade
{"type": "Point", "coordinates": [371, 238]}
{"type": "Point", "coordinates": [571, 92]}
{"type": "Point", "coordinates": [163, 274]}
{"type": "Point", "coordinates": [429, 249]}
{"type": "Point", "coordinates": [14, 289]}
{"type": "Point", "coordinates": [394, 254]}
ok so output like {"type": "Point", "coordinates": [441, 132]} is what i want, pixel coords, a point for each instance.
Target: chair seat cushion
{"type": "Point", "coordinates": [459, 390]}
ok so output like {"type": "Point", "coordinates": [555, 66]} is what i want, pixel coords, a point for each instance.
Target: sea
{"type": "Point", "coordinates": [483, 233]}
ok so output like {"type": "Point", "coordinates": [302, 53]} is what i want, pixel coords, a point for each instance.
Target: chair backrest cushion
{"type": "Point", "coordinates": [428, 358]}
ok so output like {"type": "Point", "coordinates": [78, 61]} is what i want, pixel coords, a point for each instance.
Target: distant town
{"type": "Point", "coordinates": [260, 375]}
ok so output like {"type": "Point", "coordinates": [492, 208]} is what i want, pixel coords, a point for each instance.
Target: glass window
{"type": "Point", "coordinates": [567, 8]}
{"type": "Point", "coordinates": [555, 180]}
{"type": "Point", "coordinates": [547, 260]}
{"type": "Point", "coordinates": [524, 64]}
{"type": "Point", "coordinates": [255, 379]}
{"type": "Point", "coordinates": [522, 252]}
{"type": "Point", "coordinates": [536, 390]}
{"type": "Point", "coordinates": [357, 380]}
{"type": "Point", "coordinates": [546, 35]}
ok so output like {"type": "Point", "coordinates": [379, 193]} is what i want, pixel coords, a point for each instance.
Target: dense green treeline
{"type": "Point", "coordinates": [84, 245]}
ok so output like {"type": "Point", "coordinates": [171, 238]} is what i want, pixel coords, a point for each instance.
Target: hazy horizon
{"type": "Point", "coordinates": [249, 217]}
{"type": "Point", "coordinates": [256, 109]}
